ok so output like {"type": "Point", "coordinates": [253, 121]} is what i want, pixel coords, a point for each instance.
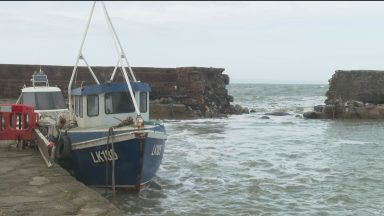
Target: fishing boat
{"type": "Point", "coordinates": [48, 102]}
{"type": "Point", "coordinates": [35, 119]}
{"type": "Point", "coordinates": [108, 140]}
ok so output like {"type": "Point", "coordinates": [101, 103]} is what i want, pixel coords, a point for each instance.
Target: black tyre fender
{"type": "Point", "coordinates": [63, 148]}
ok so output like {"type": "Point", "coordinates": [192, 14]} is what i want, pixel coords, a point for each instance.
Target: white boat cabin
{"type": "Point", "coordinates": [44, 99]}
{"type": "Point", "coordinates": [41, 96]}
{"type": "Point", "coordinates": [109, 104]}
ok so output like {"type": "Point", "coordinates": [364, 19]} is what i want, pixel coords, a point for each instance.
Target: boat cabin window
{"type": "Point", "coordinates": [79, 106]}
{"type": "Point", "coordinates": [143, 102]}
{"type": "Point", "coordinates": [118, 102]}
{"type": "Point", "coordinates": [44, 100]}
{"type": "Point", "coordinates": [92, 105]}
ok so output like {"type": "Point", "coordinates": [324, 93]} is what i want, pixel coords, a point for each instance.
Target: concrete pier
{"type": "Point", "coordinates": [29, 187]}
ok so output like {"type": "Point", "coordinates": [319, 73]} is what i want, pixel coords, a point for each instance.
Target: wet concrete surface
{"type": "Point", "coordinates": [29, 187]}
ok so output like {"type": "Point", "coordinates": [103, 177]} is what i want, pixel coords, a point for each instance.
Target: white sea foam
{"type": "Point", "coordinates": [244, 165]}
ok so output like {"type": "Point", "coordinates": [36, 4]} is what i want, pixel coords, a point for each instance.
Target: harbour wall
{"type": "Point", "coordinates": [181, 92]}
{"type": "Point", "coordinates": [353, 94]}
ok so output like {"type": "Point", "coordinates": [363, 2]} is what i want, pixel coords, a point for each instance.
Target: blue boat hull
{"type": "Point", "coordinates": [137, 156]}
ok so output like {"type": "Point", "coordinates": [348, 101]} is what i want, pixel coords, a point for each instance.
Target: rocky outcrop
{"type": "Point", "coordinates": [201, 90]}
{"type": "Point", "coordinates": [353, 94]}
{"type": "Point", "coordinates": [185, 92]}
{"type": "Point", "coordinates": [358, 85]}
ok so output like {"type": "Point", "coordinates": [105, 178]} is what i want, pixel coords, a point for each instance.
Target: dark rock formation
{"type": "Point", "coordinates": [184, 91]}
{"type": "Point", "coordinates": [353, 94]}
{"type": "Point", "coordinates": [277, 113]}
{"type": "Point", "coordinates": [237, 109]}
{"type": "Point", "coordinates": [311, 115]}
{"type": "Point", "coordinates": [359, 85]}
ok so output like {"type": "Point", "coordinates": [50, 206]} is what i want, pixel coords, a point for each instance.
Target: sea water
{"type": "Point", "coordinates": [285, 165]}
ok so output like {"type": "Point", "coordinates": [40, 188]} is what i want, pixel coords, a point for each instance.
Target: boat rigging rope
{"type": "Point", "coordinates": [111, 136]}
{"type": "Point", "coordinates": [116, 38]}
{"type": "Point", "coordinates": [76, 77]}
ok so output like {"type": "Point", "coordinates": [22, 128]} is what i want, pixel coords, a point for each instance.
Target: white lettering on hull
{"type": "Point", "coordinates": [156, 151]}
{"type": "Point", "coordinates": [103, 156]}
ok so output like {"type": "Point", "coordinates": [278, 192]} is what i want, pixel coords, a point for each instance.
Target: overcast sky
{"type": "Point", "coordinates": [256, 42]}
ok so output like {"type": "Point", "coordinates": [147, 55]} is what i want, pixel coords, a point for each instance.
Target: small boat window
{"type": "Point", "coordinates": [81, 107]}
{"type": "Point", "coordinates": [44, 100]}
{"type": "Point", "coordinates": [29, 98]}
{"type": "Point", "coordinates": [92, 105]}
{"type": "Point", "coordinates": [77, 105]}
{"type": "Point", "coordinates": [143, 102]}
{"type": "Point", "coordinates": [118, 102]}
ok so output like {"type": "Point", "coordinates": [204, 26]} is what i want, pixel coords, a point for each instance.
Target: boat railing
{"type": "Point", "coordinates": [38, 78]}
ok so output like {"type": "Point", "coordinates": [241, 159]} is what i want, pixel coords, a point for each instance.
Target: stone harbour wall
{"type": "Point", "coordinates": [353, 94]}
{"type": "Point", "coordinates": [182, 92]}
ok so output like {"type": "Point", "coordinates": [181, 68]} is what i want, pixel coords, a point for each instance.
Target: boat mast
{"type": "Point", "coordinates": [121, 55]}
{"type": "Point", "coordinates": [79, 57]}
{"type": "Point", "coordinates": [116, 39]}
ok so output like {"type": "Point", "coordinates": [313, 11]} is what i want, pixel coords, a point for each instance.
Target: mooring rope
{"type": "Point", "coordinates": [112, 154]}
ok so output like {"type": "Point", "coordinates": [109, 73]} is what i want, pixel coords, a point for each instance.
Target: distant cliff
{"type": "Point", "coordinates": [183, 92]}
